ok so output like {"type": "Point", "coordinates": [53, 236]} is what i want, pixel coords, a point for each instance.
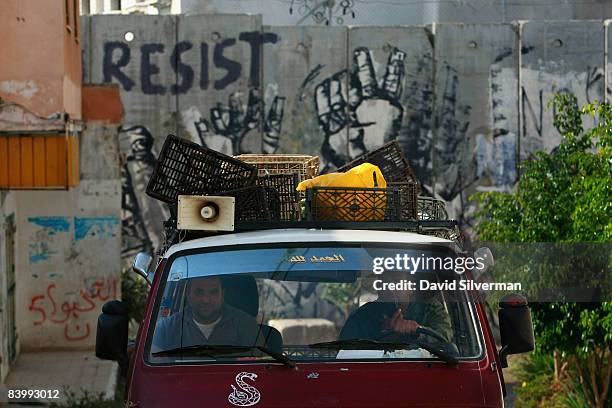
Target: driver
{"type": "Point", "coordinates": [207, 319]}
{"type": "Point", "coordinates": [396, 315]}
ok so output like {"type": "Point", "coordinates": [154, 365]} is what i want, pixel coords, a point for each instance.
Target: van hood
{"type": "Point", "coordinates": [388, 384]}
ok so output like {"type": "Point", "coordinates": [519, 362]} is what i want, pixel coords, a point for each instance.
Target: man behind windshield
{"type": "Point", "coordinates": [396, 315]}
{"type": "Point", "coordinates": [207, 319]}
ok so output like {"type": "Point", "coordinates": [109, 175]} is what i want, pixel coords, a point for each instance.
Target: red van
{"type": "Point", "coordinates": [311, 316]}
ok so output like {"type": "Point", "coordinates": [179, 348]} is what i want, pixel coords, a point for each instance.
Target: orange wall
{"type": "Point", "coordinates": [41, 68]}
{"type": "Point", "coordinates": [72, 61]}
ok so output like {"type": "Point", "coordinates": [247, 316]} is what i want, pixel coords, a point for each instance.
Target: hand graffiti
{"type": "Point", "coordinates": [232, 122]}
{"type": "Point", "coordinates": [371, 112]}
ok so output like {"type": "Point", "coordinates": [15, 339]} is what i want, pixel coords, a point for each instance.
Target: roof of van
{"type": "Point", "coordinates": [306, 235]}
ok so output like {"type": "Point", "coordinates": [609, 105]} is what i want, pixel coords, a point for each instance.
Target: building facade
{"type": "Point", "coordinates": [59, 184]}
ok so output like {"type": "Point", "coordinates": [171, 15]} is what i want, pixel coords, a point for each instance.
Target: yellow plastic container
{"type": "Point", "coordinates": [334, 205]}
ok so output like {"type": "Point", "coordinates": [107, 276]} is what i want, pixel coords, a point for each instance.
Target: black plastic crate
{"type": "Point", "coordinates": [184, 167]}
{"type": "Point", "coordinates": [408, 196]}
{"type": "Point", "coordinates": [390, 160]}
{"type": "Point", "coordinates": [396, 203]}
{"type": "Point", "coordinates": [256, 203]}
{"type": "Point", "coordinates": [285, 186]}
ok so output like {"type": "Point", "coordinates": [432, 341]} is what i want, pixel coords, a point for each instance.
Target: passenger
{"type": "Point", "coordinates": [396, 315]}
{"type": "Point", "coordinates": [207, 319]}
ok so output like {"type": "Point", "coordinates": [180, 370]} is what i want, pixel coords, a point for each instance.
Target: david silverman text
{"type": "Point", "coordinates": [446, 285]}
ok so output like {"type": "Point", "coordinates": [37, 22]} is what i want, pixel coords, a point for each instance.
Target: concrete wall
{"type": "Point", "coordinates": [69, 249]}
{"type": "Point", "coordinates": [465, 101]}
{"type": "Point", "coordinates": [392, 13]}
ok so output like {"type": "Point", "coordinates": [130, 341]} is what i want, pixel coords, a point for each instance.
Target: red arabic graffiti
{"type": "Point", "coordinates": [69, 312]}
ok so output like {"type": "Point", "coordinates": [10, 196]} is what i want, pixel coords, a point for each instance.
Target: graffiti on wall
{"type": "Point", "coordinates": [356, 104]}
{"type": "Point", "coordinates": [44, 242]}
{"type": "Point", "coordinates": [461, 130]}
{"type": "Point", "coordinates": [71, 310]}
{"type": "Point", "coordinates": [230, 124]}
{"type": "Point", "coordinates": [51, 233]}
{"type": "Point", "coordinates": [222, 73]}
{"type": "Point", "coordinates": [322, 12]}
{"type": "Point", "coordinates": [141, 215]}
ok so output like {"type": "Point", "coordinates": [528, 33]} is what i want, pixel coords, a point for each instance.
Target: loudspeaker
{"type": "Point", "coordinates": [205, 213]}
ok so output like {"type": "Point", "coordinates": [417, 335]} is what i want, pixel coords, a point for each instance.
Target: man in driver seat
{"type": "Point", "coordinates": [396, 315]}
{"type": "Point", "coordinates": [207, 319]}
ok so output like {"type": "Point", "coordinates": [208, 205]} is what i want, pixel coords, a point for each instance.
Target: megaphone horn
{"type": "Point", "coordinates": [205, 213]}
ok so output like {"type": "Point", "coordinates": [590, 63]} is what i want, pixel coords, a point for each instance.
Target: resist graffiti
{"type": "Point", "coordinates": [118, 56]}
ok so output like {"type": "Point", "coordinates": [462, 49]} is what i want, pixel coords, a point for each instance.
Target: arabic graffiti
{"type": "Point", "coordinates": [70, 312]}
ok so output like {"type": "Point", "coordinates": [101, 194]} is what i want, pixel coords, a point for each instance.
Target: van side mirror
{"type": "Point", "coordinates": [112, 334]}
{"type": "Point", "coordinates": [141, 265]}
{"type": "Point", "coordinates": [485, 256]}
{"type": "Point", "coordinates": [515, 327]}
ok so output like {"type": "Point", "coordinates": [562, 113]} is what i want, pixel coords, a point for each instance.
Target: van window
{"type": "Point", "coordinates": [312, 303]}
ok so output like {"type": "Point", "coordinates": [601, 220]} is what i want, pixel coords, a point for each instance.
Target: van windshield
{"type": "Point", "coordinates": [308, 302]}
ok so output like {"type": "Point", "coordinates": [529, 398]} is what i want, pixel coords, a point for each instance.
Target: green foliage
{"type": "Point", "coordinates": [536, 390]}
{"type": "Point", "coordinates": [564, 196]}
{"type": "Point", "coordinates": [134, 292]}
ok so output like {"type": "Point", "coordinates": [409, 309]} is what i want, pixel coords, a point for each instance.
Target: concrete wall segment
{"type": "Point", "coordinates": [469, 74]}
{"type": "Point", "coordinates": [557, 57]}
{"type": "Point", "coordinates": [476, 132]}
{"type": "Point", "coordinates": [409, 51]}
{"type": "Point", "coordinates": [217, 67]}
{"type": "Point", "coordinates": [306, 60]}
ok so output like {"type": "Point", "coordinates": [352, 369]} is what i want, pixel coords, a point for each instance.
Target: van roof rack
{"type": "Point", "coordinates": [447, 229]}
{"type": "Point", "coordinates": [271, 201]}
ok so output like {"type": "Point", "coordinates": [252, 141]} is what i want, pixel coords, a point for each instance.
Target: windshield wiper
{"type": "Point", "coordinates": [214, 350]}
{"type": "Point", "coordinates": [364, 344]}
{"type": "Point", "coordinates": [443, 355]}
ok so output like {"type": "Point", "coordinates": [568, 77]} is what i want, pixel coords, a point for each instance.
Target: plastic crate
{"type": "Point", "coordinates": [256, 203]}
{"type": "Point", "coordinates": [184, 167]}
{"type": "Point", "coordinates": [390, 160]}
{"type": "Point", "coordinates": [360, 204]}
{"type": "Point", "coordinates": [305, 166]}
{"type": "Point", "coordinates": [285, 186]}
{"type": "Point", "coordinates": [408, 197]}
{"type": "Point", "coordinates": [431, 209]}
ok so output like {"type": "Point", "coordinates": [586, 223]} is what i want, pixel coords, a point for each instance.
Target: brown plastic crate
{"type": "Point", "coordinates": [305, 166]}
{"type": "Point", "coordinates": [390, 160]}
{"type": "Point", "coordinates": [184, 167]}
